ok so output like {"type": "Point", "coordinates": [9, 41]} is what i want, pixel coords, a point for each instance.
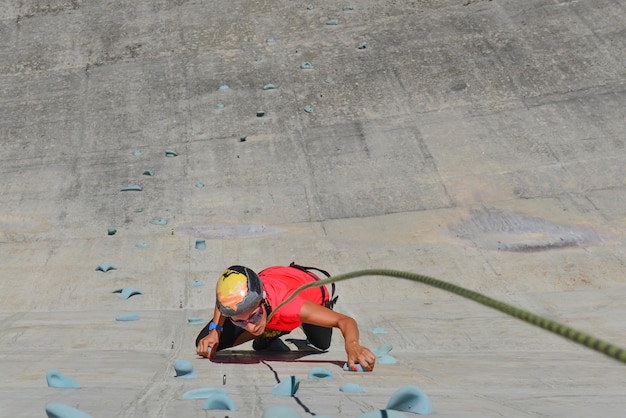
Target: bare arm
{"type": "Point", "coordinates": [208, 345]}
{"type": "Point", "coordinates": [312, 313]}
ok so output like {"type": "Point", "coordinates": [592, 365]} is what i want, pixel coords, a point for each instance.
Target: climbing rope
{"type": "Point", "coordinates": [571, 334]}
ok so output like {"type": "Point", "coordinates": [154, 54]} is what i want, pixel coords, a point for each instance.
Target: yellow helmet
{"type": "Point", "coordinates": [238, 290]}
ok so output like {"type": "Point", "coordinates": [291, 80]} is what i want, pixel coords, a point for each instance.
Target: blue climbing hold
{"type": "Point", "coordinates": [308, 109]}
{"type": "Point", "coordinates": [271, 40]}
{"type": "Point", "coordinates": [111, 230]}
{"type": "Point", "coordinates": [200, 244]}
{"type": "Point", "coordinates": [58, 410]}
{"type": "Point", "coordinates": [269, 87]}
{"type": "Point", "coordinates": [410, 398]}
{"type": "Point", "coordinates": [260, 113]}
{"type": "Point", "coordinates": [148, 173]}
{"type": "Point", "coordinates": [136, 153]}
{"type": "Point", "coordinates": [220, 106]}
{"type": "Point", "coordinates": [320, 373]}
{"type": "Point", "coordinates": [196, 283]}
{"type": "Point", "coordinates": [332, 22]}
{"type": "Point", "coordinates": [170, 154]}
{"type": "Point", "coordinates": [127, 317]}
{"type": "Point", "coordinates": [132, 188]}
{"type": "Point", "coordinates": [243, 138]}
{"type": "Point", "coordinates": [195, 320]}
{"type": "Point", "coordinates": [104, 267]}
{"type": "Point", "coordinates": [328, 80]}
{"type": "Point", "coordinates": [159, 221]}
{"type": "Point", "coordinates": [224, 87]}
{"type": "Point", "coordinates": [200, 185]}
{"type": "Point", "coordinates": [56, 380]}
{"type": "Point", "coordinates": [351, 388]}
{"type": "Point", "coordinates": [386, 359]}
{"type": "Point", "coordinates": [359, 368]}
{"type": "Point", "coordinates": [287, 387]}
{"type": "Point", "coordinates": [347, 8]}
{"type": "Point", "coordinates": [382, 350]}
{"type": "Point", "coordinates": [362, 45]}
{"type": "Point", "coordinates": [306, 66]}
{"type": "Point", "coordinates": [219, 401]}
{"type": "Point", "coordinates": [379, 331]}
{"type": "Point", "coordinates": [142, 245]}
{"type": "Point", "coordinates": [127, 292]}
{"type": "Point", "coordinates": [184, 369]}
{"type": "Point", "coordinates": [202, 393]}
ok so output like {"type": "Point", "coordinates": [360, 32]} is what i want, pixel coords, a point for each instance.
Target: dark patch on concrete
{"type": "Point", "coordinates": [499, 230]}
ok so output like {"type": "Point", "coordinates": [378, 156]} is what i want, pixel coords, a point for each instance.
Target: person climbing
{"type": "Point", "coordinates": [244, 301]}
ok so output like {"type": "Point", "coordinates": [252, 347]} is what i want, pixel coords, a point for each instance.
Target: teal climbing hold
{"type": "Point", "coordinates": [111, 230]}
{"type": "Point", "coordinates": [359, 368]}
{"type": "Point", "coordinates": [104, 267]}
{"type": "Point", "coordinates": [347, 8]}
{"type": "Point", "coordinates": [386, 359]}
{"type": "Point", "coordinates": [351, 388]}
{"type": "Point", "coordinates": [55, 379]}
{"type": "Point", "coordinates": [202, 393]}
{"type": "Point", "coordinates": [219, 401]}
{"type": "Point", "coordinates": [58, 410]}
{"type": "Point", "coordinates": [410, 398]}
{"type": "Point", "coordinates": [260, 113]}
{"type": "Point", "coordinates": [127, 317]}
{"type": "Point", "coordinates": [332, 22]}
{"type": "Point", "coordinates": [379, 331]}
{"type": "Point", "coordinates": [220, 106]}
{"type": "Point", "coordinates": [200, 244]}
{"type": "Point", "coordinates": [170, 154]}
{"type": "Point", "coordinates": [286, 387]}
{"type": "Point", "coordinates": [184, 369]}
{"type": "Point", "coordinates": [382, 350]}
{"type": "Point", "coordinates": [362, 45]}
{"type": "Point", "coordinates": [200, 185]}
{"type": "Point", "coordinates": [194, 320]}
{"type": "Point", "coordinates": [280, 412]}
{"type": "Point", "coordinates": [142, 245]}
{"type": "Point", "coordinates": [132, 188]}
{"type": "Point", "coordinates": [127, 292]}
{"type": "Point", "coordinates": [136, 153]}
{"type": "Point", "coordinates": [148, 173]}
{"type": "Point", "coordinates": [243, 138]}
{"type": "Point", "coordinates": [320, 373]}
{"type": "Point", "coordinates": [308, 109]}
{"type": "Point", "coordinates": [306, 66]}
{"type": "Point", "coordinates": [271, 40]}
{"type": "Point", "coordinates": [159, 221]}
{"type": "Point", "coordinates": [196, 283]}
{"type": "Point", "coordinates": [224, 87]}
{"type": "Point", "coordinates": [269, 87]}
{"type": "Point", "coordinates": [328, 80]}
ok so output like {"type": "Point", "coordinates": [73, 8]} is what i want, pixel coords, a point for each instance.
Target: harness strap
{"type": "Point", "coordinates": [332, 299]}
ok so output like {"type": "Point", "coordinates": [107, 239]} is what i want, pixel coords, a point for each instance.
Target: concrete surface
{"type": "Point", "coordinates": [479, 142]}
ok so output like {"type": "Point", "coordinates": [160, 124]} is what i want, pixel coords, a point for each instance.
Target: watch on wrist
{"type": "Point", "coordinates": [213, 325]}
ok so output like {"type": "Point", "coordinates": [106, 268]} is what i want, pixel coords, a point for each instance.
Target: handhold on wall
{"type": "Point", "coordinates": [202, 393]}
{"type": "Point", "coordinates": [306, 66]}
{"type": "Point", "coordinates": [148, 173]}
{"type": "Point", "coordinates": [170, 154]}
{"type": "Point", "coordinates": [224, 87]}
{"type": "Point", "coordinates": [379, 331]}
{"type": "Point", "coordinates": [195, 320]}
{"type": "Point", "coordinates": [347, 8]}
{"type": "Point", "coordinates": [159, 221]}
{"type": "Point", "coordinates": [219, 401]}
{"type": "Point", "coordinates": [136, 153]}
{"type": "Point", "coordinates": [320, 373]}
{"type": "Point", "coordinates": [127, 317]}
{"type": "Point", "coordinates": [200, 244]}
{"type": "Point", "coordinates": [351, 388]}
{"type": "Point", "coordinates": [58, 410]}
{"type": "Point", "coordinates": [104, 267]}
{"type": "Point", "coordinates": [220, 106]}
{"type": "Point", "coordinates": [142, 245]}
{"type": "Point", "coordinates": [280, 412]}
{"type": "Point", "coordinates": [260, 113]}
{"type": "Point", "coordinates": [132, 188]}
{"type": "Point", "coordinates": [111, 230]}
{"type": "Point", "coordinates": [328, 80]}
{"type": "Point", "coordinates": [362, 45]}
{"type": "Point", "coordinates": [127, 292]}
{"type": "Point", "coordinates": [308, 109]}
{"type": "Point", "coordinates": [359, 368]}
{"type": "Point", "coordinates": [386, 359]}
{"type": "Point", "coordinates": [257, 59]}
{"type": "Point", "coordinates": [332, 22]}
{"type": "Point", "coordinates": [287, 387]}
{"type": "Point", "coordinates": [269, 87]}
{"type": "Point", "coordinates": [243, 138]}
{"type": "Point", "coordinates": [184, 369]}
{"type": "Point", "coordinates": [383, 413]}
{"type": "Point", "coordinates": [271, 40]}
{"type": "Point", "coordinates": [196, 283]}
{"type": "Point", "coordinates": [382, 350]}
{"type": "Point", "coordinates": [56, 380]}
{"type": "Point", "coordinates": [200, 185]}
{"type": "Point", "coordinates": [309, 7]}
{"type": "Point", "coordinates": [410, 398]}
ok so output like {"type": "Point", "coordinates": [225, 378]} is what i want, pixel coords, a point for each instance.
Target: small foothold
{"type": "Point", "coordinates": [127, 317]}
{"type": "Point", "coordinates": [194, 320]}
{"type": "Point", "coordinates": [329, 79]}
{"type": "Point", "coordinates": [56, 380]}
{"type": "Point", "coordinates": [142, 245]}
{"type": "Point", "coordinates": [260, 113]}
{"type": "Point", "coordinates": [132, 188]}
{"type": "Point", "coordinates": [351, 387]}
{"type": "Point", "coordinates": [306, 66]}
{"type": "Point", "coordinates": [148, 173]}
{"type": "Point", "coordinates": [320, 373]}
{"type": "Point", "coordinates": [159, 221]}
{"type": "Point", "coordinates": [220, 106]}
{"type": "Point", "coordinates": [287, 387]}
{"type": "Point", "coordinates": [111, 230]}
{"type": "Point", "coordinates": [362, 45]}
{"type": "Point", "coordinates": [200, 244]}
{"type": "Point", "coordinates": [357, 369]}
{"type": "Point", "coordinates": [200, 185]}
{"type": "Point", "coordinates": [184, 369]}
{"type": "Point", "coordinates": [104, 267]}
{"type": "Point", "coordinates": [308, 109]}
{"type": "Point", "coordinates": [309, 7]}
{"type": "Point", "coordinates": [258, 59]}
{"type": "Point", "coordinates": [196, 283]}
{"type": "Point", "coordinates": [280, 412]}
{"type": "Point", "coordinates": [410, 399]}
{"type": "Point", "coordinates": [379, 331]}
{"type": "Point", "coordinates": [127, 292]}
{"type": "Point", "coordinates": [202, 393]}
{"type": "Point", "coordinates": [271, 40]}
{"type": "Point", "coordinates": [347, 8]}
{"type": "Point", "coordinates": [269, 87]}
{"type": "Point", "coordinates": [219, 401]}
{"type": "Point", "coordinates": [139, 210]}
{"type": "Point", "coordinates": [136, 153]}
{"type": "Point", "coordinates": [169, 153]}
{"type": "Point", "coordinates": [243, 138]}
{"type": "Point", "coordinates": [332, 22]}
{"type": "Point", "coordinates": [58, 410]}
{"type": "Point", "coordinates": [224, 87]}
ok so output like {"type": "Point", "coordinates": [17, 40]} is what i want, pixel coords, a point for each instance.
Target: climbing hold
{"type": "Point", "coordinates": [220, 106]}
{"type": "Point", "coordinates": [306, 66]}
{"type": "Point", "coordinates": [359, 368]}
{"type": "Point", "coordinates": [148, 173]}
{"type": "Point", "coordinates": [136, 153]}
{"type": "Point", "coordinates": [169, 153]}
{"type": "Point", "coordinates": [142, 245]}
{"type": "Point", "coordinates": [319, 373]}
{"type": "Point", "coordinates": [202, 393]}
{"type": "Point", "coordinates": [243, 138]}
{"type": "Point", "coordinates": [104, 267]}
{"type": "Point", "coordinates": [362, 45]}
{"type": "Point", "coordinates": [56, 380]}
{"type": "Point", "coordinates": [383, 413]}
{"type": "Point", "coordinates": [139, 210]}
{"type": "Point", "coordinates": [58, 410]}
{"type": "Point", "coordinates": [382, 350]}
{"type": "Point", "coordinates": [257, 59]}
{"type": "Point", "coordinates": [351, 387]}
{"type": "Point", "coordinates": [271, 40]}
{"type": "Point", "coordinates": [308, 109]}
{"type": "Point", "coordinates": [159, 221]}
{"type": "Point", "coordinates": [309, 7]}
{"type": "Point", "coordinates": [127, 292]}
{"type": "Point", "coordinates": [194, 320]}
{"type": "Point", "coordinates": [132, 188]}
{"type": "Point", "coordinates": [347, 8]}
{"type": "Point", "coordinates": [224, 87]}
{"type": "Point", "coordinates": [410, 399]}
{"type": "Point", "coordinates": [219, 401]}
{"type": "Point", "coordinates": [386, 359]}
{"type": "Point", "coordinates": [332, 22]}
{"type": "Point", "coordinates": [199, 185]}
{"type": "Point", "coordinates": [280, 412]}
{"type": "Point", "coordinates": [328, 79]}
{"type": "Point", "coordinates": [196, 283]}
{"type": "Point", "coordinates": [379, 331]}
{"type": "Point", "coordinates": [184, 369]}
{"type": "Point", "coordinates": [111, 230]}
{"type": "Point", "coordinates": [127, 317]}
{"type": "Point", "coordinates": [260, 113]}
{"type": "Point", "coordinates": [269, 87]}
{"type": "Point", "coordinates": [287, 387]}
{"type": "Point", "coordinates": [200, 244]}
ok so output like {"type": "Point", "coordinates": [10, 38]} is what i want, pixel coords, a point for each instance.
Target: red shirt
{"type": "Point", "coordinates": [279, 283]}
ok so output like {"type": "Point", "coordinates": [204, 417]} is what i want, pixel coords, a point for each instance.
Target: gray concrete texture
{"type": "Point", "coordinates": [478, 142]}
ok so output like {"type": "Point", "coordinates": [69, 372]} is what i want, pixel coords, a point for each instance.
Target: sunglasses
{"type": "Point", "coordinates": [252, 319]}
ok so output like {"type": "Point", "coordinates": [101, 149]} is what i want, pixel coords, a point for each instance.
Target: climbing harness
{"type": "Point", "coordinates": [571, 334]}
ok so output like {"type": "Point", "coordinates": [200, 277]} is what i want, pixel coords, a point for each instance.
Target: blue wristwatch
{"type": "Point", "coordinates": [213, 325]}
